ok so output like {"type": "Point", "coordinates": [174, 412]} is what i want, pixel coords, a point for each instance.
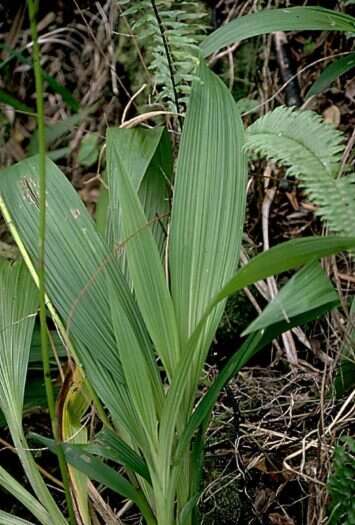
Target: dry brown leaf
{"type": "Point", "coordinates": [332, 115]}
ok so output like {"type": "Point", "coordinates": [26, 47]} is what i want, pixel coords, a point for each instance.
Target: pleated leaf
{"type": "Point", "coordinates": [147, 158]}
{"type": "Point", "coordinates": [143, 381]}
{"type": "Point", "coordinates": [109, 445]}
{"type": "Point", "coordinates": [206, 230]}
{"type": "Point", "coordinates": [18, 309]}
{"type": "Point", "coordinates": [209, 202]}
{"type": "Point", "coordinates": [272, 20]}
{"type": "Point", "coordinates": [95, 469]}
{"type": "Point", "coordinates": [146, 270]}
{"type": "Point", "coordinates": [79, 270]}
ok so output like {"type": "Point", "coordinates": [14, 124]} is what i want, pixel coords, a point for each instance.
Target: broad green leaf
{"type": "Point", "coordinates": [142, 377]}
{"type": "Point", "coordinates": [208, 204]}
{"type": "Point", "coordinates": [78, 269]}
{"type": "Point", "coordinates": [308, 289]}
{"type": "Point", "coordinates": [147, 158]}
{"type": "Point", "coordinates": [146, 270]}
{"type": "Point", "coordinates": [206, 229]}
{"type": "Point", "coordinates": [98, 471]}
{"type": "Point", "coordinates": [331, 73]}
{"type": "Point", "coordinates": [19, 492]}
{"type": "Point", "coordinates": [284, 257]}
{"type": "Point", "coordinates": [18, 309]}
{"type": "Point", "coordinates": [108, 445]}
{"type": "Point", "coordinates": [272, 20]}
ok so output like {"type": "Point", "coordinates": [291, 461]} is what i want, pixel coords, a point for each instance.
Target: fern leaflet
{"type": "Point", "coordinates": [311, 150]}
{"type": "Point", "coordinates": [170, 32]}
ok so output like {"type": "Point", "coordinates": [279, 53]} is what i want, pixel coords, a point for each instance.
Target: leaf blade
{"type": "Point", "coordinates": [335, 70]}
{"type": "Point", "coordinates": [272, 20]}
{"type": "Point", "coordinates": [146, 271]}
{"type": "Point", "coordinates": [309, 288]}
{"type": "Point", "coordinates": [209, 202]}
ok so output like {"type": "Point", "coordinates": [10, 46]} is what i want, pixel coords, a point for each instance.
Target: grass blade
{"type": "Point", "coordinates": [331, 73]}
{"type": "Point", "coordinates": [9, 100]}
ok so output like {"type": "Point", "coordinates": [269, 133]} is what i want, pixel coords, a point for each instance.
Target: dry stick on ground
{"type": "Point", "coordinates": [340, 419]}
{"type": "Point", "coordinates": [102, 508]}
{"type": "Point", "coordinates": [287, 338]}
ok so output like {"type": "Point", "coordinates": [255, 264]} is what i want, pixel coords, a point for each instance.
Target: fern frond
{"type": "Point", "coordinates": [170, 44]}
{"type": "Point", "coordinates": [311, 150]}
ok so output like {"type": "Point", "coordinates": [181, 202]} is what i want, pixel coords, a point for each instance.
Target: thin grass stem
{"type": "Point", "coordinates": [32, 9]}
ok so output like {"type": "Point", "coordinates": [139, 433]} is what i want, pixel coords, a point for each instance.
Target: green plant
{"type": "Point", "coordinates": [331, 73]}
{"type": "Point", "coordinates": [312, 152]}
{"type": "Point", "coordinates": [137, 311]}
{"type": "Point", "coordinates": [341, 483]}
{"type": "Point", "coordinates": [170, 31]}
